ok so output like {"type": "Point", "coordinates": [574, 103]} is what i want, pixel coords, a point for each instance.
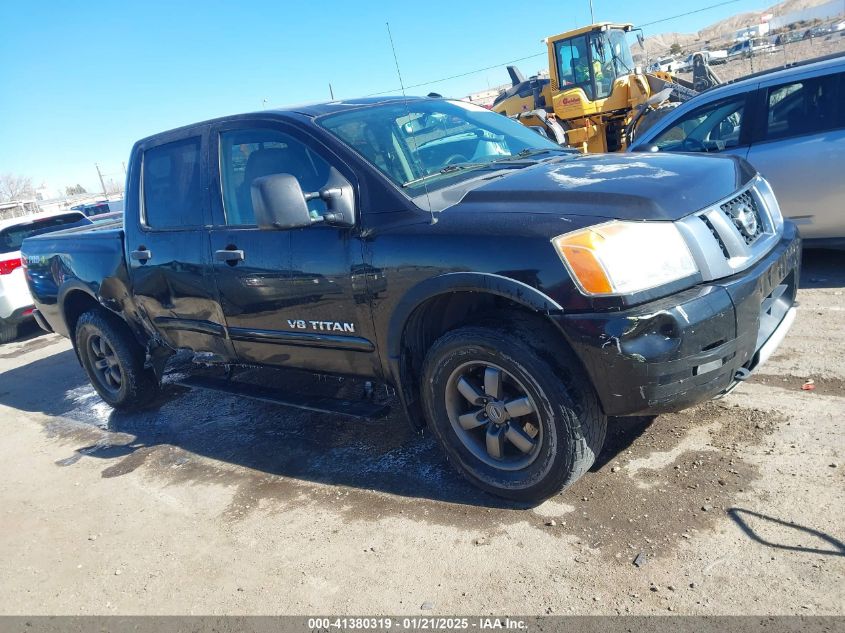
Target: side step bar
{"type": "Point", "coordinates": [359, 409]}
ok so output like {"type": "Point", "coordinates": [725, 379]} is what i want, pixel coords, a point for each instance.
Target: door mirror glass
{"type": "Point", "coordinates": [279, 203]}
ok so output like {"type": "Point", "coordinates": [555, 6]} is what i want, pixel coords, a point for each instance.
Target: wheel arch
{"type": "Point", "coordinates": [443, 303]}
{"type": "Point", "coordinates": [76, 299]}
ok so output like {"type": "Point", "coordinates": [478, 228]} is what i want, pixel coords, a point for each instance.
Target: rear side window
{"type": "Point", "coordinates": [172, 191]}
{"type": "Point", "coordinates": [803, 107]}
{"type": "Point", "coordinates": [12, 237]}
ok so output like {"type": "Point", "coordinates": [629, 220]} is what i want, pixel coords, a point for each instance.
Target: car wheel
{"type": "Point", "coordinates": [509, 418]}
{"type": "Point", "coordinates": [114, 361]}
{"type": "Point", "coordinates": [8, 331]}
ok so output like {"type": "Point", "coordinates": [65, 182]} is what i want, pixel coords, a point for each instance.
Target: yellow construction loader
{"type": "Point", "coordinates": [595, 99]}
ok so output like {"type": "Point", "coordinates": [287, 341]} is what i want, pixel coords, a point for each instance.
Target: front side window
{"type": "Point", "coordinates": [252, 153]}
{"type": "Point", "coordinates": [426, 144]}
{"type": "Point", "coordinates": [711, 128]}
{"type": "Point", "coordinates": [802, 107]}
{"type": "Point", "coordinates": [172, 189]}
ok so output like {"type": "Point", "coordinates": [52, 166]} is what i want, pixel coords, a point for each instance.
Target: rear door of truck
{"type": "Point", "coordinates": [166, 212]}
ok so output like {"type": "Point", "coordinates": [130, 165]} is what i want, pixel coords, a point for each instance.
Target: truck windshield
{"type": "Point", "coordinates": [428, 143]}
{"type": "Point", "coordinates": [11, 237]}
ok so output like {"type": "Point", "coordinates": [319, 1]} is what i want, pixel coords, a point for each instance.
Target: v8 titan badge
{"type": "Point", "coordinates": [321, 326]}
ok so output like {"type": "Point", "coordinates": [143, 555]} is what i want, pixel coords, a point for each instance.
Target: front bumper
{"type": "Point", "coordinates": [694, 345]}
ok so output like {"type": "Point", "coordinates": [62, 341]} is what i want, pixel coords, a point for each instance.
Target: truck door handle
{"type": "Point", "coordinates": [141, 255]}
{"type": "Point", "coordinates": [229, 256]}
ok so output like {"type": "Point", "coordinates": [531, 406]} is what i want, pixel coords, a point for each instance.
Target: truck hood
{"type": "Point", "coordinates": [620, 186]}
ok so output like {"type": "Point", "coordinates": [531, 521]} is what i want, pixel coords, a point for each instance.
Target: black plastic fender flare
{"type": "Point", "coordinates": [489, 283]}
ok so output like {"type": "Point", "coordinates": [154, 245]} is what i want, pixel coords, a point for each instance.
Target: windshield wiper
{"type": "Point", "coordinates": [532, 152]}
{"type": "Point", "coordinates": [446, 170]}
{"type": "Point", "coordinates": [496, 163]}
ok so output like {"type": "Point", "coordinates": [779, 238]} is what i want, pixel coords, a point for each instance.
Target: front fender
{"type": "Point", "coordinates": [489, 283]}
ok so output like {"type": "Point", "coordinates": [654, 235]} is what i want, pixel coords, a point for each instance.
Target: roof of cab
{"type": "Point", "coordinates": [331, 107]}
{"type": "Point", "coordinates": [308, 109]}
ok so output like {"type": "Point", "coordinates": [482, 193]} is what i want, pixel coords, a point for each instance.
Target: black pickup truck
{"type": "Point", "coordinates": [513, 292]}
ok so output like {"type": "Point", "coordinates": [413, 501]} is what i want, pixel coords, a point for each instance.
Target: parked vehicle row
{"type": "Point", "coordinates": [513, 292]}
{"type": "Point", "coordinates": [16, 304]}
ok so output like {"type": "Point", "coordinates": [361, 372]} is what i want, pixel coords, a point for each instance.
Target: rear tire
{"type": "Point", "coordinates": [532, 431]}
{"type": "Point", "coordinates": [8, 331]}
{"type": "Point", "coordinates": [114, 361]}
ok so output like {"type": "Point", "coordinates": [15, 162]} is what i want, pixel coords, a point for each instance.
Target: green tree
{"type": "Point", "coordinates": [675, 49]}
{"type": "Point", "coordinates": [75, 190]}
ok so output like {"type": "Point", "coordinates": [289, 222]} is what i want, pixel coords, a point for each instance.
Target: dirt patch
{"type": "Point", "coordinates": [677, 479]}
{"type": "Point", "coordinates": [824, 386]}
{"type": "Point", "coordinates": [646, 493]}
{"type": "Point", "coordinates": [39, 343]}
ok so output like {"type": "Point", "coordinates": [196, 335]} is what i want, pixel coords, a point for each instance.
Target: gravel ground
{"type": "Point", "coordinates": [208, 504]}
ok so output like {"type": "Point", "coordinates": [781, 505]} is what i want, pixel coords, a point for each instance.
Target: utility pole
{"type": "Point", "coordinates": [331, 92]}
{"type": "Point", "coordinates": [592, 15]}
{"type": "Point", "coordinates": [102, 184]}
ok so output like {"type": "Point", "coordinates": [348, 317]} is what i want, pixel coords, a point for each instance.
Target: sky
{"type": "Point", "coordinates": [82, 81]}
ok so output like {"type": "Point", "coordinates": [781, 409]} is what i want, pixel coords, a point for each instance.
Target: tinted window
{"type": "Point", "coordinates": [802, 107]}
{"type": "Point", "coordinates": [172, 191]}
{"type": "Point", "coordinates": [710, 128]}
{"type": "Point", "coordinates": [249, 154]}
{"type": "Point", "coordinates": [12, 237]}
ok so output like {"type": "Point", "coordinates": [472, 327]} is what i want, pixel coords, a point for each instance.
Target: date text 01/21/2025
{"type": "Point", "coordinates": [321, 326]}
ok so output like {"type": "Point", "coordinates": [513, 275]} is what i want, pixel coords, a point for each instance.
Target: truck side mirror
{"type": "Point", "coordinates": [279, 203]}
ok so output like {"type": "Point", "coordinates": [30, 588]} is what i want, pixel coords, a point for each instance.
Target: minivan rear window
{"type": "Point", "coordinates": [11, 237]}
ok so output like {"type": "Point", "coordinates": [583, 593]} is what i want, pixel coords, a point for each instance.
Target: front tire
{"type": "Point", "coordinates": [114, 361]}
{"type": "Point", "coordinates": [512, 420]}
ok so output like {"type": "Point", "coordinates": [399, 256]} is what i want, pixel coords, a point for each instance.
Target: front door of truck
{"type": "Point", "coordinates": [167, 209]}
{"type": "Point", "coordinates": [287, 296]}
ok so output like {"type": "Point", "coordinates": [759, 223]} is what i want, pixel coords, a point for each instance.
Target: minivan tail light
{"type": "Point", "coordinates": [8, 265]}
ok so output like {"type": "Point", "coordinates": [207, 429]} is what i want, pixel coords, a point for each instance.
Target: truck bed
{"type": "Point", "coordinates": [89, 259]}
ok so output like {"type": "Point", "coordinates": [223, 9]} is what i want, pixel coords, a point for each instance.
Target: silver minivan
{"type": "Point", "coordinates": [789, 123]}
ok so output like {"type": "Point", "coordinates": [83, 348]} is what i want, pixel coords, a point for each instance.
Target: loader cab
{"type": "Point", "coordinates": [591, 58]}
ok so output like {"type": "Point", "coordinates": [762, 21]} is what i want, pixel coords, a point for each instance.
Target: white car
{"type": "Point", "coordinates": [665, 64]}
{"type": "Point", "coordinates": [15, 300]}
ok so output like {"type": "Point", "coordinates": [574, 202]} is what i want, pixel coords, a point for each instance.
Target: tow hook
{"type": "Point", "coordinates": [742, 374]}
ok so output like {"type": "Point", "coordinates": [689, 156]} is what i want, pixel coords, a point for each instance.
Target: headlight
{"type": "Point", "coordinates": [623, 257]}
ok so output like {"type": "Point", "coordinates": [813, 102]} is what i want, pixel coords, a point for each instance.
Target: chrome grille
{"type": "Point", "coordinates": [730, 235]}
{"type": "Point", "coordinates": [715, 234]}
{"type": "Point", "coordinates": [745, 215]}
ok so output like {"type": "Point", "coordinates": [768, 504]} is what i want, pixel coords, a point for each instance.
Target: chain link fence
{"type": "Point", "coordinates": [772, 50]}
